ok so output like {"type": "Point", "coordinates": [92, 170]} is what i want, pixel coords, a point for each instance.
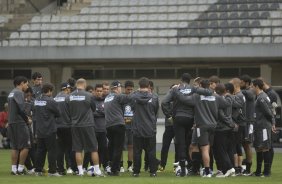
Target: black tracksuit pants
{"type": "Point", "coordinates": [64, 149]}
{"type": "Point", "coordinates": [45, 145]}
{"type": "Point", "coordinates": [167, 138]}
{"type": "Point", "coordinates": [149, 145]}
{"type": "Point", "coordinates": [183, 135]}
{"type": "Point", "coordinates": [223, 150]}
{"type": "Point", "coordinates": [116, 135]}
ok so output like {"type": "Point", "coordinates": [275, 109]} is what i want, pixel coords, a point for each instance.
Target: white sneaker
{"type": "Point", "coordinates": [130, 169]}
{"type": "Point", "coordinates": [230, 172]}
{"type": "Point", "coordinates": [54, 174]}
{"type": "Point", "coordinates": [31, 172]}
{"type": "Point", "coordinates": [219, 174]}
{"type": "Point", "coordinates": [98, 172]}
{"type": "Point", "coordinates": [108, 169]}
{"type": "Point", "coordinates": [69, 171]}
{"type": "Point", "coordinates": [121, 170]}
{"type": "Point", "coordinates": [207, 176]}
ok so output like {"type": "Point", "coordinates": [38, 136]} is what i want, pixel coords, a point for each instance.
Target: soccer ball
{"type": "Point", "coordinates": [90, 171]}
{"type": "Point", "coordinates": [178, 171]}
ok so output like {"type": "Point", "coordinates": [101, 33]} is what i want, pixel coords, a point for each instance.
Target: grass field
{"type": "Point", "coordinates": [166, 177]}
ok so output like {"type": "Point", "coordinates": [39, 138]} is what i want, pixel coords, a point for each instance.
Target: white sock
{"type": "Point", "coordinates": [14, 168]}
{"type": "Point", "coordinates": [80, 170]}
{"type": "Point", "coordinates": [97, 169]}
{"type": "Point", "coordinates": [20, 168]}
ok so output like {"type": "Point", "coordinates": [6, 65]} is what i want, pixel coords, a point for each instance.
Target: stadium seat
{"type": "Point", "coordinates": [277, 31]}
{"type": "Point", "coordinates": [33, 43]}
{"type": "Point", "coordinates": [14, 35]}
{"type": "Point", "coordinates": [44, 35]}
{"type": "Point", "coordinates": [36, 19]}
{"type": "Point", "coordinates": [183, 40]}
{"type": "Point", "coordinates": [246, 40]}
{"type": "Point", "coordinates": [278, 39]}
{"type": "Point", "coordinates": [205, 40]}
{"type": "Point", "coordinates": [85, 11]}
{"type": "Point", "coordinates": [25, 27]}
{"type": "Point", "coordinates": [54, 26]}
{"type": "Point", "coordinates": [46, 18]}
{"type": "Point", "coordinates": [194, 40]}
{"type": "Point", "coordinates": [24, 35]}
{"type": "Point", "coordinates": [63, 34]}
{"type": "Point", "coordinates": [34, 35]}
{"type": "Point", "coordinates": [53, 34]}
{"type": "Point", "coordinates": [62, 43]}
{"type": "Point", "coordinates": [215, 40]}
{"type": "Point", "coordinates": [103, 26]}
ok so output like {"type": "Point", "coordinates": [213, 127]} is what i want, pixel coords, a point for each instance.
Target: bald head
{"type": "Point", "coordinates": [81, 83]}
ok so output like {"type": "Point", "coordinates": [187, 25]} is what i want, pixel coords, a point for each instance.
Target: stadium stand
{"type": "Point", "coordinates": [150, 22]}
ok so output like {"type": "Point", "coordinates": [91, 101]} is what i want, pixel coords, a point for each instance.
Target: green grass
{"type": "Point", "coordinates": [166, 177]}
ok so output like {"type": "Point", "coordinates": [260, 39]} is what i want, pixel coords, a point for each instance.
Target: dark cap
{"type": "Point", "coordinates": [65, 85]}
{"type": "Point", "coordinates": [116, 84]}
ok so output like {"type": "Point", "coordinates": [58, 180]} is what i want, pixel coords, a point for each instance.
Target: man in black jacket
{"type": "Point", "coordinates": [115, 125]}
{"type": "Point", "coordinates": [17, 128]}
{"type": "Point", "coordinates": [145, 106]}
{"type": "Point", "coordinates": [264, 124]}
{"type": "Point", "coordinates": [80, 108]}
{"type": "Point", "coordinates": [46, 113]}
{"type": "Point", "coordinates": [63, 129]}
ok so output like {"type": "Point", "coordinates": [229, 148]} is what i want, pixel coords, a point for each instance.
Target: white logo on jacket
{"type": "Point", "coordinates": [208, 98]}
{"type": "Point", "coordinates": [77, 98]}
{"type": "Point", "coordinates": [59, 99]}
{"type": "Point", "coordinates": [40, 103]}
{"type": "Point", "coordinates": [11, 95]}
{"type": "Point", "coordinates": [185, 91]}
{"type": "Point", "coordinates": [109, 98]}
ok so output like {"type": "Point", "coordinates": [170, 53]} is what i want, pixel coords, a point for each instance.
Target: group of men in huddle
{"type": "Point", "coordinates": [208, 120]}
{"type": "Point", "coordinates": [214, 120]}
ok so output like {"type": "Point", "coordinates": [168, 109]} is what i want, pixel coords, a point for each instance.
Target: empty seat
{"type": "Point", "coordinates": [36, 19]}
{"type": "Point", "coordinates": [213, 16]}
{"type": "Point", "coordinates": [254, 15]}
{"type": "Point", "coordinates": [193, 32]}
{"type": "Point", "coordinates": [63, 34]}
{"type": "Point", "coordinates": [142, 9]}
{"type": "Point", "coordinates": [213, 24]}
{"type": "Point", "coordinates": [44, 35]}
{"type": "Point", "coordinates": [34, 43]}
{"type": "Point", "coordinates": [245, 23]}
{"type": "Point", "coordinates": [35, 26]}
{"type": "Point", "coordinates": [103, 26]}
{"type": "Point", "coordinates": [84, 18]}
{"type": "Point", "coordinates": [53, 34]}
{"type": "Point", "coordinates": [234, 23]}
{"type": "Point", "coordinates": [274, 6]}
{"type": "Point", "coordinates": [244, 15]}
{"type": "Point", "coordinates": [246, 40]}
{"type": "Point", "coordinates": [64, 26]}
{"type": "Point", "coordinates": [24, 35]}
{"type": "Point", "coordinates": [223, 7]}
{"type": "Point", "coordinates": [54, 26]}
{"type": "Point", "coordinates": [143, 17]}
{"type": "Point", "coordinates": [264, 6]}
{"type": "Point", "coordinates": [245, 31]}
{"type": "Point", "coordinates": [93, 26]}
{"type": "Point", "coordinates": [277, 31]}
{"type": "Point", "coordinates": [102, 42]}
{"type": "Point", "coordinates": [205, 40]}
{"type": "Point", "coordinates": [224, 24]}
{"type": "Point", "coordinates": [183, 40]}
{"type": "Point", "coordinates": [203, 24]}
{"type": "Point", "coordinates": [225, 32]}
{"type": "Point", "coordinates": [62, 43]}
{"type": "Point", "coordinates": [204, 32]}
{"type": "Point", "coordinates": [278, 39]}
{"type": "Point", "coordinates": [215, 40]}
{"type": "Point", "coordinates": [253, 7]}
{"type": "Point", "coordinates": [55, 18]}
{"type": "Point", "coordinates": [256, 31]}
{"type": "Point", "coordinates": [234, 15]}
{"type": "Point", "coordinates": [183, 24]}
{"type": "Point", "coordinates": [74, 26]}
{"type": "Point", "coordinates": [235, 32]}
{"type": "Point", "coordinates": [214, 32]}
{"type": "Point", "coordinates": [25, 27]}
{"type": "Point", "coordinates": [34, 35]}
{"type": "Point", "coordinates": [71, 19]}
{"type": "Point", "coordinates": [46, 18]}
{"type": "Point", "coordinates": [264, 15]}
{"type": "Point", "coordinates": [255, 23]}
{"type": "Point", "coordinates": [14, 35]}
{"type": "Point", "coordinates": [233, 7]}
{"type": "Point", "coordinates": [85, 11]}
{"type": "Point", "coordinates": [23, 43]}
{"type": "Point", "coordinates": [257, 40]}
{"type": "Point", "coordinates": [194, 40]}
{"type": "Point", "coordinates": [223, 15]}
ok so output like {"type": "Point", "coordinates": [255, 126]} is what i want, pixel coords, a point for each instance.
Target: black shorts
{"type": "Point", "coordinates": [18, 134]}
{"type": "Point", "coordinates": [262, 139]}
{"type": "Point", "coordinates": [128, 140]}
{"type": "Point", "coordinates": [244, 134]}
{"type": "Point", "coordinates": [204, 136]}
{"type": "Point", "coordinates": [84, 138]}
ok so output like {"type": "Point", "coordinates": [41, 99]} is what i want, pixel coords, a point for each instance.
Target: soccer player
{"type": "Point", "coordinates": [46, 113]}
{"type": "Point", "coordinates": [250, 110]}
{"type": "Point", "coordinates": [115, 125]}
{"type": "Point", "coordinates": [81, 106]}
{"type": "Point", "coordinates": [206, 117]}
{"type": "Point", "coordinates": [64, 141]}
{"type": "Point", "coordinates": [128, 114]}
{"type": "Point", "coordinates": [144, 127]}
{"type": "Point", "coordinates": [264, 124]}
{"type": "Point", "coordinates": [17, 128]}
